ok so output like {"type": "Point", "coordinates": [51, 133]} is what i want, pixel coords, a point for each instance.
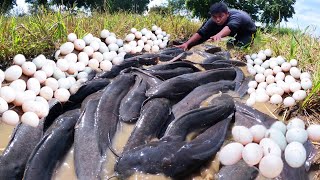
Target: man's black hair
{"type": "Point", "coordinates": [219, 7]}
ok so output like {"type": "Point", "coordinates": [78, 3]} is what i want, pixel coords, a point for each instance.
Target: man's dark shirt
{"type": "Point", "coordinates": [239, 22]}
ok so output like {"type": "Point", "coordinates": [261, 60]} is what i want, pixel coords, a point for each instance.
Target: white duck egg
{"type": "Point", "coordinates": [254, 56]}
{"type": "Point", "coordinates": [242, 134]}
{"type": "Point", "coordinates": [138, 35]}
{"type": "Point", "coordinates": [34, 85]}
{"type": "Point", "coordinates": [285, 67]}
{"type": "Point", "coordinates": [83, 57]}
{"type": "Point", "coordinates": [88, 38]}
{"type": "Point", "coordinates": [295, 154]}
{"type": "Point", "coordinates": [3, 105]}
{"type": "Point", "coordinates": [109, 55]}
{"type": "Point", "coordinates": [289, 102]}
{"type": "Point", "coordinates": [297, 134]}
{"type": "Point", "coordinates": [111, 40]}
{"type": "Point", "coordinates": [277, 137]}
{"type": "Point", "coordinates": [79, 44]}
{"type": "Point", "coordinates": [231, 153]}
{"type": "Point", "coordinates": [82, 75]}
{"type": "Point", "coordinates": [104, 33]}
{"type": "Point", "coordinates": [280, 76]}
{"type": "Point", "coordinates": [73, 69]}
{"type": "Point", "coordinates": [66, 48]}
{"type": "Point", "coordinates": [30, 118]}
{"type": "Point", "coordinates": [74, 88]}
{"type": "Point", "coordinates": [10, 117]}
{"type": "Point", "coordinates": [13, 73]}
{"type": "Point", "coordinates": [144, 39]}
{"type": "Point", "coordinates": [52, 83]}
{"type": "Point", "coordinates": [262, 56]}
{"type": "Point", "coordinates": [305, 75]}
{"type": "Point", "coordinates": [39, 62]}
{"type": "Point", "coordinates": [103, 49]}
{"type": "Point", "coordinates": [20, 98]}
{"type": "Point", "coordinates": [252, 154]}
{"type": "Point", "coordinates": [119, 42]}
{"type": "Point", "coordinates": [250, 101]}
{"type": "Point", "coordinates": [270, 147]}
{"type": "Point", "coordinates": [276, 99]}
{"type": "Point", "coordinates": [273, 64]}
{"type": "Point", "coordinates": [8, 94]}
{"type": "Point", "coordinates": [263, 85]}
{"type": "Point", "coordinates": [268, 52]}
{"type": "Point", "coordinates": [277, 69]}
{"type": "Point", "coordinates": [117, 60]}
{"type": "Point", "coordinates": [313, 132]}
{"type": "Point", "coordinates": [295, 87]}
{"type": "Point", "coordinates": [258, 132]}
{"type": "Point", "coordinates": [251, 90]}
{"type": "Point", "coordinates": [88, 50]}
{"type": "Point", "coordinates": [266, 64]}
{"type": "Point", "coordinates": [279, 126]}
{"type": "Point", "coordinates": [71, 37]}
{"type": "Point", "coordinates": [306, 83]}
{"type": "Point", "coordinates": [58, 74]}
{"type": "Point", "coordinates": [113, 47]}
{"type": "Point", "coordinates": [95, 45]}
{"type": "Point", "coordinates": [98, 56]}
{"type": "Point", "coordinates": [252, 84]}
{"type": "Point", "coordinates": [144, 31]}
{"type": "Point", "coordinates": [271, 166]}
{"type": "Point", "coordinates": [29, 95]}
{"type": "Point", "coordinates": [250, 62]}
{"type": "Point", "coordinates": [48, 69]}
{"type": "Point", "coordinates": [133, 30]}
{"type": "Point", "coordinates": [295, 72]}
{"type": "Point", "coordinates": [72, 80]}
{"type": "Point", "coordinates": [268, 72]}
{"type": "Point", "coordinates": [154, 28]}
{"type": "Point", "coordinates": [18, 85]}
{"type": "Point", "coordinates": [299, 95]}
{"type": "Point", "coordinates": [106, 65]}
{"type": "Point", "coordinates": [260, 70]}
{"type": "Point", "coordinates": [133, 43]}
{"type": "Point", "coordinates": [62, 64]}
{"type": "Point", "coordinates": [46, 92]}
{"type": "Point", "coordinates": [280, 60]}
{"type": "Point", "coordinates": [19, 59]}
{"type": "Point", "coordinates": [293, 62]}
{"type": "Point", "coordinates": [155, 48]}
{"type": "Point", "coordinates": [296, 123]}
{"type": "Point", "coordinates": [80, 66]}
{"type": "Point", "coordinates": [247, 57]}
{"type": "Point", "coordinates": [62, 95]}
{"type": "Point", "coordinates": [130, 37]}
{"type": "Point", "coordinates": [270, 79]}
{"type": "Point", "coordinates": [160, 36]}
{"type": "Point", "coordinates": [28, 68]}
{"type": "Point", "coordinates": [127, 48]}
{"type": "Point", "coordinates": [289, 79]}
{"type": "Point", "coordinates": [262, 97]}
{"type": "Point", "coordinates": [94, 64]}
{"type": "Point", "coordinates": [120, 50]}
{"type": "Point", "coordinates": [260, 78]}
{"type": "Point", "coordinates": [252, 71]}
{"type": "Point", "coordinates": [64, 83]}
{"type": "Point", "coordinates": [140, 43]}
{"type": "Point", "coordinates": [72, 57]}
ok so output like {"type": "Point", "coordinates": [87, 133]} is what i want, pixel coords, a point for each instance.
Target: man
{"type": "Point", "coordinates": [224, 22]}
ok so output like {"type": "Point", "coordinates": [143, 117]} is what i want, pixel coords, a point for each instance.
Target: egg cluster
{"type": "Point", "coordinates": [31, 84]}
{"type": "Point", "coordinates": [263, 147]}
{"type": "Point", "coordinates": [101, 53]}
{"type": "Point", "coordinates": [276, 80]}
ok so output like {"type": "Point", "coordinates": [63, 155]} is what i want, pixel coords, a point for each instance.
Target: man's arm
{"type": "Point", "coordinates": [223, 33]}
{"type": "Point", "coordinates": [194, 38]}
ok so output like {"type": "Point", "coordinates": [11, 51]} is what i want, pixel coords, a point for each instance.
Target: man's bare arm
{"type": "Point", "coordinates": [223, 33]}
{"type": "Point", "coordinates": [194, 38]}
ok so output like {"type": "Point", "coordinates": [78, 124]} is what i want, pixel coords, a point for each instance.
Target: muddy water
{"type": "Point", "coordinates": [66, 170]}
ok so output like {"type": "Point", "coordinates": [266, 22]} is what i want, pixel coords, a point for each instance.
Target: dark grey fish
{"type": "Point", "coordinates": [117, 69]}
{"type": "Point", "coordinates": [174, 51]}
{"type": "Point", "coordinates": [131, 104]}
{"type": "Point", "coordinates": [179, 86]}
{"type": "Point", "coordinates": [170, 73]}
{"type": "Point", "coordinates": [107, 113]}
{"type": "Point", "coordinates": [201, 118]}
{"type": "Point", "coordinates": [238, 171]}
{"type": "Point", "coordinates": [248, 116]}
{"type": "Point", "coordinates": [212, 49]}
{"type": "Point", "coordinates": [213, 58]}
{"type": "Point", "coordinates": [52, 148]}
{"type": "Point", "coordinates": [243, 88]}
{"type": "Point", "coordinates": [152, 118]}
{"type": "Point", "coordinates": [85, 90]}
{"type": "Point", "coordinates": [208, 66]}
{"type": "Point", "coordinates": [174, 65]}
{"type": "Point", "coordinates": [199, 94]}
{"type": "Point", "coordinates": [233, 62]}
{"type": "Point", "coordinates": [87, 157]}
{"type": "Point", "coordinates": [239, 77]}
{"type": "Point", "coordinates": [151, 79]}
{"type": "Point", "coordinates": [174, 158]}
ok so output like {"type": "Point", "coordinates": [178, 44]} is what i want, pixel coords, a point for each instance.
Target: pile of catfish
{"type": "Point", "coordinates": [163, 95]}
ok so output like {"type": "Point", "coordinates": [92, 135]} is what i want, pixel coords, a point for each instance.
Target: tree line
{"type": "Point", "coordinates": [265, 11]}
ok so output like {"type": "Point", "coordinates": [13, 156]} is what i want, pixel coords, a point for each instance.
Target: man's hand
{"type": "Point", "coordinates": [216, 37]}
{"type": "Point", "coordinates": [183, 46]}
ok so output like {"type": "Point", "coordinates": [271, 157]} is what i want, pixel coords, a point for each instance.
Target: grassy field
{"type": "Point", "coordinates": [43, 33]}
